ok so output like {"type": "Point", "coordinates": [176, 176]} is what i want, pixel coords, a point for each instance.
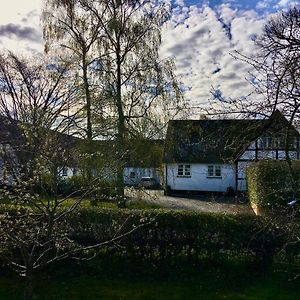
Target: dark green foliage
{"type": "Point", "coordinates": [76, 186]}
{"type": "Point", "coordinates": [171, 238]}
{"type": "Point", "coordinates": [228, 280]}
{"type": "Point", "coordinates": [270, 183]}
{"type": "Point", "coordinates": [173, 235]}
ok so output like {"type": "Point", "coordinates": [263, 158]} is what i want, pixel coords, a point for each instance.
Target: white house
{"type": "Point", "coordinates": [143, 159]}
{"type": "Point", "coordinates": [212, 155]}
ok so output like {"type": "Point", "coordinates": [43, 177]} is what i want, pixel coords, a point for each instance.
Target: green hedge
{"type": "Point", "coordinates": [270, 183]}
{"type": "Point", "coordinates": [174, 234]}
{"type": "Point", "coordinates": [77, 186]}
{"type": "Point", "coordinates": [171, 236]}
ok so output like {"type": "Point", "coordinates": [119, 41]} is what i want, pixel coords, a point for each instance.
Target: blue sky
{"type": "Point", "coordinates": [201, 37]}
{"type": "Point", "coordinates": [262, 6]}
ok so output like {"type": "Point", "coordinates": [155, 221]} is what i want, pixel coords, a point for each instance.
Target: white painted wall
{"type": "Point", "coordinates": [69, 172]}
{"type": "Point", "coordinates": [199, 181]}
{"type": "Point", "coordinates": [249, 154]}
{"type": "Point", "coordinates": [292, 154]}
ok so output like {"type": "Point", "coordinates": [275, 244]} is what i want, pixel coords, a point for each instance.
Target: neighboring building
{"type": "Point", "coordinates": [212, 155]}
{"type": "Point", "coordinates": [143, 158]}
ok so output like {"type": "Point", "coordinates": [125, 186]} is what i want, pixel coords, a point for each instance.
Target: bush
{"type": "Point", "coordinates": [171, 235]}
{"type": "Point", "coordinates": [77, 186]}
{"type": "Point", "coordinates": [270, 183]}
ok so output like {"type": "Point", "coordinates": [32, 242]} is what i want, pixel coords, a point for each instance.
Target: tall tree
{"type": "Point", "coordinates": [68, 27]}
{"type": "Point", "coordinates": [137, 84]}
{"type": "Point", "coordinates": [34, 115]}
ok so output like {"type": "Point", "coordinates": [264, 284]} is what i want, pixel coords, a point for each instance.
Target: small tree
{"type": "Point", "coordinates": [34, 114]}
{"type": "Point", "coordinates": [34, 106]}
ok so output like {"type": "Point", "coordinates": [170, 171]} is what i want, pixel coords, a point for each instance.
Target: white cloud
{"type": "Point", "coordinates": [285, 3]}
{"type": "Point", "coordinates": [202, 44]}
{"type": "Point", "coordinates": [179, 2]}
{"type": "Point", "coordinates": [20, 25]}
{"type": "Point", "coordinates": [262, 4]}
{"type": "Point", "coordinates": [200, 38]}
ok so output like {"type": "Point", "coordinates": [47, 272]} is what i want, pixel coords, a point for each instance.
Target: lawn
{"type": "Point", "coordinates": [213, 283]}
{"type": "Point", "coordinates": [87, 203]}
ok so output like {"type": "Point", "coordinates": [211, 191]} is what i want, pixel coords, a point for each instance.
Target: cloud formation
{"type": "Point", "coordinates": [21, 32]}
{"type": "Point", "coordinates": [202, 41]}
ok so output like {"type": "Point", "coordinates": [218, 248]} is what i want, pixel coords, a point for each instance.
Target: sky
{"type": "Point", "coordinates": [201, 37]}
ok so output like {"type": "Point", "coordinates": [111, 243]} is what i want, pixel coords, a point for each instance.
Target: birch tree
{"type": "Point", "coordinates": [139, 87]}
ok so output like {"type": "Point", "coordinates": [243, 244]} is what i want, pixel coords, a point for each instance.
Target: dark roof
{"type": "Point", "coordinates": [139, 152]}
{"type": "Point", "coordinates": [10, 132]}
{"type": "Point", "coordinates": [145, 153]}
{"type": "Point", "coordinates": [215, 141]}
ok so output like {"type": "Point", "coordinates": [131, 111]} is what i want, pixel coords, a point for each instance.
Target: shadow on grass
{"type": "Point", "coordinates": [115, 278]}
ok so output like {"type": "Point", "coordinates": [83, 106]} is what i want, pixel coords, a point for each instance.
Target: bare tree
{"type": "Point", "coordinates": [34, 114]}
{"type": "Point", "coordinates": [34, 107]}
{"type": "Point", "coordinates": [72, 33]}
{"type": "Point", "coordinates": [140, 89]}
{"type": "Point", "coordinates": [276, 81]}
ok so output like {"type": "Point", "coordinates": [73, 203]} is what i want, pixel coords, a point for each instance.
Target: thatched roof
{"type": "Point", "coordinates": [216, 141]}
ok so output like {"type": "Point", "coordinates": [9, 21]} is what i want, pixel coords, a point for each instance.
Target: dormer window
{"type": "Point", "coordinates": [64, 171]}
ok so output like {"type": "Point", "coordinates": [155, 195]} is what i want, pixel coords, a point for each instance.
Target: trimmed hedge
{"type": "Point", "coordinates": [171, 236]}
{"type": "Point", "coordinates": [77, 186]}
{"type": "Point", "coordinates": [270, 183]}
{"type": "Point", "coordinates": [174, 234]}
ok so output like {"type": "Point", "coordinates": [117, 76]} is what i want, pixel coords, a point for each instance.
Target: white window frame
{"type": "Point", "coordinates": [64, 171]}
{"type": "Point", "coordinates": [214, 171]}
{"type": "Point", "coordinates": [184, 170]}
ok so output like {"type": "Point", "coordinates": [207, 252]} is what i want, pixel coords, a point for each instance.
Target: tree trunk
{"type": "Point", "coordinates": [28, 290]}
{"type": "Point", "coordinates": [89, 130]}
{"type": "Point", "coordinates": [289, 146]}
{"type": "Point", "coordinates": [120, 138]}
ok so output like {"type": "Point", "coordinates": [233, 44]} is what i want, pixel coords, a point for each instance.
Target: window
{"type": "Point", "coordinates": [218, 171]}
{"type": "Point", "coordinates": [132, 175]}
{"type": "Point", "coordinates": [184, 170]}
{"type": "Point", "coordinates": [214, 171]}
{"type": "Point", "coordinates": [266, 142]}
{"type": "Point", "coordinates": [293, 142]}
{"type": "Point", "coordinates": [210, 171]}
{"type": "Point", "coordinates": [64, 171]}
{"type": "Point", "coordinates": [276, 142]}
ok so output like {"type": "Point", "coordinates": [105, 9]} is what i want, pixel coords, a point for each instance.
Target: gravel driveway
{"type": "Point", "coordinates": [196, 204]}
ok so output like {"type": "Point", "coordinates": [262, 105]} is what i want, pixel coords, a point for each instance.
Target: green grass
{"type": "Point", "coordinates": [86, 203]}
{"type": "Point", "coordinates": [211, 283]}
